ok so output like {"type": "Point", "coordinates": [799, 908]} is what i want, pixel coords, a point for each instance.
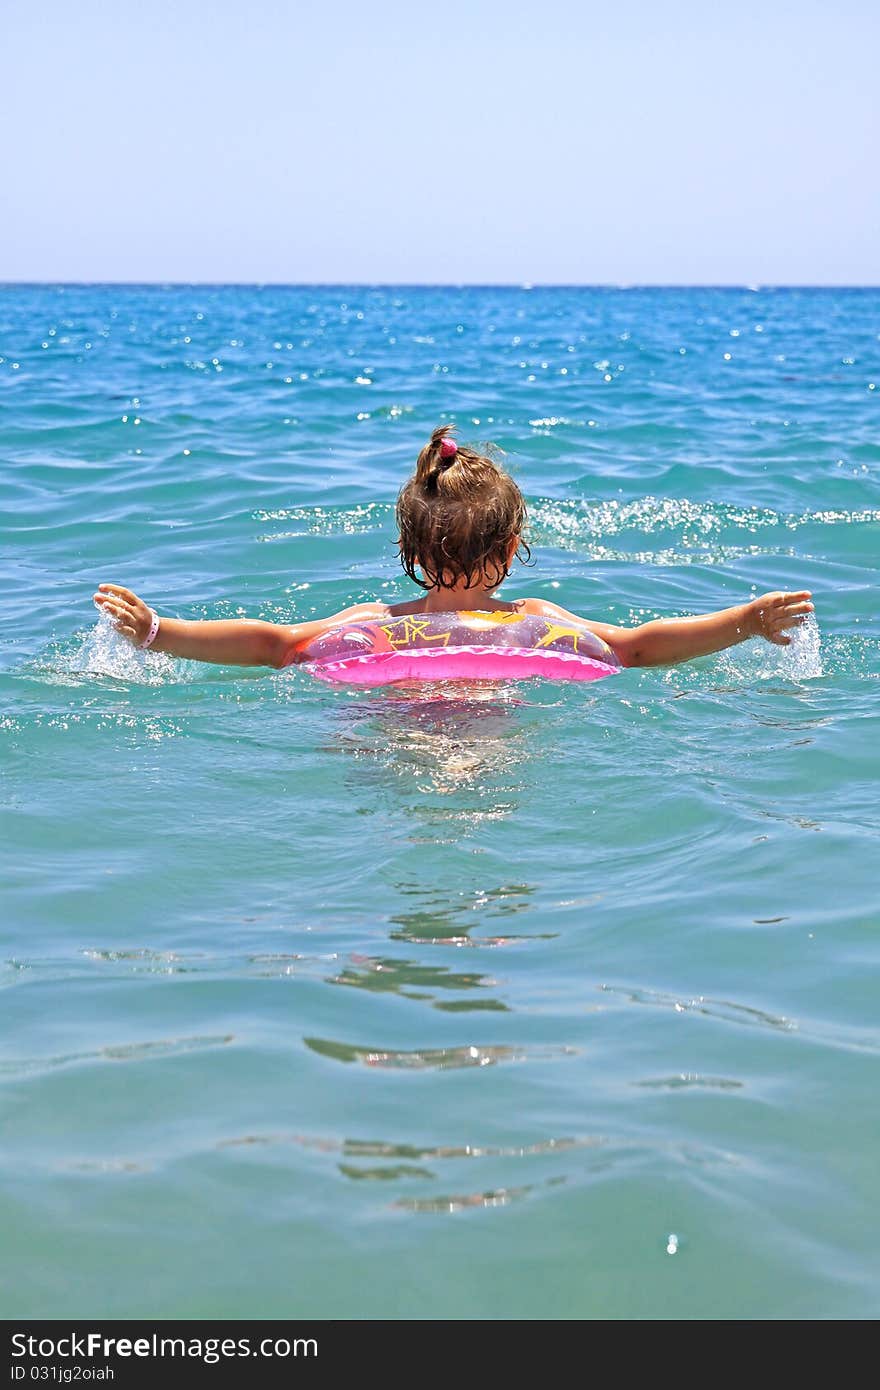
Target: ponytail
{"type": "Point", "coordinates": [438, 456]}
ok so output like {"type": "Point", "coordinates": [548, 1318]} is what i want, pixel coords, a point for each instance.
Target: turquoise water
{"type": "Point", "coordinates": [534, 1001]}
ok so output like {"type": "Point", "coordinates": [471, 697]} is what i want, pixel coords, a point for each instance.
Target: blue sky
{"type": "Point", "coordinates": [480, 141]}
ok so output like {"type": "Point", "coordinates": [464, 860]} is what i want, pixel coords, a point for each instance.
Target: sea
{"type": "Point", "coordinates": [526, 1001]}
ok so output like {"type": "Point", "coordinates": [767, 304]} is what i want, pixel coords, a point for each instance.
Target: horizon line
{"type": "Point", "coordinates": [754, 287]}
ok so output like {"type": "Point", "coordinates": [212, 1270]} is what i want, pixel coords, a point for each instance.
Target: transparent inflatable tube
{"type": "Point", "coordinates": [458, 646]}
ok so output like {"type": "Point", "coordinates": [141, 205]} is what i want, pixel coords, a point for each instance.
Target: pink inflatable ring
{"type": "Point", "coordinates": [458, 646]}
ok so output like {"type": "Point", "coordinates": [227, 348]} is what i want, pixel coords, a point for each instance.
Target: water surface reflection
{"type": "Point", "coordinates": [457, 760]}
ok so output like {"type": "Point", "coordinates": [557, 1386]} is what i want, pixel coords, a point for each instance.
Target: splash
{"type": "Point", "coordinates": [104, 652]}
{"type": "Point", "coordinates": [802, 660]}
{"type": "Point", "coordinates": [755, 661]}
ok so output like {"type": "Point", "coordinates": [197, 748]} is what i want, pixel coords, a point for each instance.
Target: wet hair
{"type": "Point", "coordinates": [457, 516]}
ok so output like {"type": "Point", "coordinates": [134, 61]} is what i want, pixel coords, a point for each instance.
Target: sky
{"type": "Point", "coordinates": [469, 141]}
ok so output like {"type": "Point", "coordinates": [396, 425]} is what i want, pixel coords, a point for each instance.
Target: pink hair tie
{"type": "Point", "coordinates": [448, 447]}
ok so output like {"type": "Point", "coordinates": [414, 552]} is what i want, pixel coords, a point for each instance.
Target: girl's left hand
{"type": "Point", "coordinates": [131, 616]}
{"type": "Point", "coordinates": [772, 615]}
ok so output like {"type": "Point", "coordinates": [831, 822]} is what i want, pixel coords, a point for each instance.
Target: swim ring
{"type": "Point", "coordinates": [457, 646]}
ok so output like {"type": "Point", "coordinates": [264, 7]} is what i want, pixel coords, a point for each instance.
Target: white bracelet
{"type": "Point", "coordinates": [151, 635]}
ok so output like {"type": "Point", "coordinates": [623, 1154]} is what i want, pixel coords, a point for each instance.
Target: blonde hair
{"type": "Point", "coordinates": [457, 516]}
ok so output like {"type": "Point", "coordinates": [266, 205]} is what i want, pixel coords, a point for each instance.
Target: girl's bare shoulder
{"type": "Point", "coordinates": [355, 613]}
{"type": "Point", "coordinates": [544, 609]}
{"type": "Point", "coordinates": [361, 613]}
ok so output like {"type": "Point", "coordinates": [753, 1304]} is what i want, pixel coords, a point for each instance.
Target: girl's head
{"type": "Point", "coordinates": [460, 518]}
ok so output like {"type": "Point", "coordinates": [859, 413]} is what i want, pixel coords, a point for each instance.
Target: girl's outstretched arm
{"type": "Point", "coordinates": [670, 640]}
{"type": "Point", "coordinates": [236, 642]}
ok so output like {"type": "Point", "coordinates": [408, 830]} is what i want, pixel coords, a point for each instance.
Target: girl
{"type": "Point", "coordinates": [461, 520]}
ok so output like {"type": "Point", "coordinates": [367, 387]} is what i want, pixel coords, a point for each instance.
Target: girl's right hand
{"type": "Point", "coordinates": [131, 616]}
